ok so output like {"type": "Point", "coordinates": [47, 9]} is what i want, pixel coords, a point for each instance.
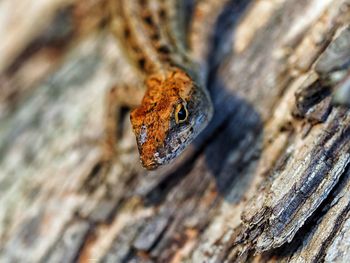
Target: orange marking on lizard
{"type": "Point", "coordinates": [153, 117]}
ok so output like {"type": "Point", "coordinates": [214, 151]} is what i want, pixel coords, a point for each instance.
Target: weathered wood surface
{"type": "Point", "coordinates": [258, 185]}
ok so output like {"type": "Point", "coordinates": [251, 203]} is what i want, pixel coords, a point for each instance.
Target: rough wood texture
{"type": "Point", "coordinates": [258, 185]}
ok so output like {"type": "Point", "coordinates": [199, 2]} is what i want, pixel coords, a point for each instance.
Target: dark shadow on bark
{"type": "Point", "coordinates": [236, 142]}
{"type": "Point", "coordinates": [236, 123]}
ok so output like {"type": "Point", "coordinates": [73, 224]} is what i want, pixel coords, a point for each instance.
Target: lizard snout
{"type": "Point", "coordinates": [149, 164]}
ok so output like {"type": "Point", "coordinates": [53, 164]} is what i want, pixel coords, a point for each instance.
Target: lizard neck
{"type": "Point", "coordinates": [152, 33]}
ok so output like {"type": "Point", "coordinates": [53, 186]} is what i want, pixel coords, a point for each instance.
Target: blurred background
{"type": "Point", "coordinates": [223, 199]}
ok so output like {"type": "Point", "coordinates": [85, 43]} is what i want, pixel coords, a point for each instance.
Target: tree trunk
{"type": "Point", "coordinates": [259, 184]}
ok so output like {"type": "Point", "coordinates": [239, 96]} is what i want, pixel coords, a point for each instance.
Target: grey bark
{"type": "Point", "coordinates": [261, 183]}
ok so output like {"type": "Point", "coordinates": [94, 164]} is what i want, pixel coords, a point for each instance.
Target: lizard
{"type": "Point", "coordinates": [176, 105]}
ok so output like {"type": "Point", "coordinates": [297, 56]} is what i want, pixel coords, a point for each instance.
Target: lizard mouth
{"type": "Point", "coordinates": [149, 164]}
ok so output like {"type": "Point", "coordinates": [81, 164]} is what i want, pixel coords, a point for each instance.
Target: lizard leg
{"type": "Point", "coordinates": [117, 99]}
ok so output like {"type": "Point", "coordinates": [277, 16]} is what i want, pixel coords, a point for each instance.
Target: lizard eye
{"type": "Point", "coordinates": [181, 113]}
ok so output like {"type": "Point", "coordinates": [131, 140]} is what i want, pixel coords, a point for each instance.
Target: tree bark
{"type": "Point", "coordinates": [259, 185]}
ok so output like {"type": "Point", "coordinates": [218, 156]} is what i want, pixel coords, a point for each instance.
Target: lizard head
{"type": "Point", "coordinates": [173, 112]}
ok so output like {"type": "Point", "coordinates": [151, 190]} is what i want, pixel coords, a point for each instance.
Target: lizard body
{"type": "Point", "coordinates": [176, 106]}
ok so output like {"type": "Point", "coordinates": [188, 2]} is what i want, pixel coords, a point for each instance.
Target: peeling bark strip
{"type": "Point", "coordinates": [310, 180]}
{"type": "Point", "coordinates": [268, 181]}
